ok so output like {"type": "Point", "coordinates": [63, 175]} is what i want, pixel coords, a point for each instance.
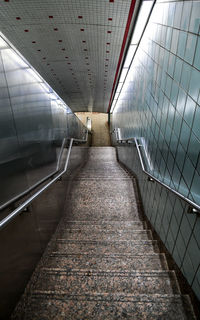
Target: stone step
{"type": "Point", "coordinates": [101, 189]}
{"type": "Point", "coordinates": [105, 173]}
{"type": "Point", "coordinates": [99, 166]}
{"type": "Point", "coordinates": [101, 234]}
{"type": "Point", "coordinates": [98, 209]}
{"type": "Point", "coordinates": [87, 197]}
{"type": "Point", "coordinates": [104, 224]}
{"type": "Point", "coordinates": [101, 178]}
{"type": "Point", "coordinates": [55, 306]}
{"type": "Point", "coordinates": [110, 263]}
{"type": "Point", "coordinates": [87, 282]}
{"type": "Point", "coordinates": [92, 214]}
{"type": "Point", "coordinates": [131, 247]}
{"type": "Point", "coordinates": [95, 168]}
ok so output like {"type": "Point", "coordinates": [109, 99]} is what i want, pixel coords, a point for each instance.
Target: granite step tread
{"type": "Point", "coordinates": [103, 173]}
{"type": "Point", "coordinates": [100, 210]}
{"type": "Point", "coordinates": [90, 213]}
{"type": "Point", "coordinates": [131, 247]}
{"type": "Point", "coordinates": [89, 282]}
{"type": "Point", "coordinates": [99, 188]}
{"type": "Point", "coordinates": [110, 263]}
{"type": "Point", "coordinates": [102, 178]}
{"type": "Point", "coordinates": [103, 234]}
{"type": "Point", "coordinates": [104, 224]}
{"type": "Point", "coordinates": [55, 306]}
{"type": "Point", "coordinates": [88, 199]}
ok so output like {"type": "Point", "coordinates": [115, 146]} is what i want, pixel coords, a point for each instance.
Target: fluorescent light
{"type": "Point", "coordinates": [36, 77]}
{"type": "Point", "coordinates": [3, 44]}
{"type": "Point", "coordinates": [116, 96]}
{"type": "Point", "coordinates": [141, 21]}
{"type": "Point", "coordinates": [45, 87]}
{"type": "Point", "coordinates": [113, 105]}
{"type": "Point", "coordinates": [123, 74]}
{"type": "Point", "coordinates": [120, 84]}
{"type": "Point", "coordinates": [12, 60]}
{"type": "Point", "coordinates": [53, 96]}
{"type": "Point", "coordinates": [130, 55]}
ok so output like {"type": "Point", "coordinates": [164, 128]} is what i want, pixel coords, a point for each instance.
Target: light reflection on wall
{"type": "Point", "coordinates": [33, 122]}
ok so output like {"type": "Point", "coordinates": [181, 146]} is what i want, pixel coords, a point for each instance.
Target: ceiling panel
{"type": "Point", "coordinates": [74, 45]}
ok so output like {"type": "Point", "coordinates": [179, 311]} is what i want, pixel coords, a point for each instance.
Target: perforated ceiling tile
{"type": "Point", "coordinates": [79, 65]}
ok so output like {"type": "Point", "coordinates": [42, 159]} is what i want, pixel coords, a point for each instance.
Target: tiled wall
{"type": "Point", "coordinates": [160, 103]}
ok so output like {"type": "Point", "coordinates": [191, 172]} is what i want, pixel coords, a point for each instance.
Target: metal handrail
{"type": "Point", "coordinates": [194, 208]}
{"type": "Point", "coordinates": [24, 205]}
{"type": "Point", "coordinates": [22, 194]}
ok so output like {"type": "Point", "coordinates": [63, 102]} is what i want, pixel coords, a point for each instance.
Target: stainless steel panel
{"type": "Point", "coordinates": [34, 121]}
{"type": "Point", "coordinates": [12, 175]}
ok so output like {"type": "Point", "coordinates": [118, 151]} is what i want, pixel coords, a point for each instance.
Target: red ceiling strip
{"type": "Point", "coordinates": [132, 7]}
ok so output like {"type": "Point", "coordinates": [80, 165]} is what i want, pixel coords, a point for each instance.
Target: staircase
{"type": "Point", "coordinates": [102, 262]}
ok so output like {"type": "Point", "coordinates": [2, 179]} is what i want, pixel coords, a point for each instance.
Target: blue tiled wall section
{"type": "Point", "coordinates": [160, 104]}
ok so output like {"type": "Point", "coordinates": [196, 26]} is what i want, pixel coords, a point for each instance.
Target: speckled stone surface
{"type": "Point", "coordinates": [99, 234]}
{"type": "Point", "coordinates": [63, 307]}
{"type": "Point", "coordinates": [102, 262]}
{"type": "Point", "coordinates": [99, 262]}
{"type": "Point", "coordinates": [95, 282]}
{"type": "Point", "coordinates": [131, 247]}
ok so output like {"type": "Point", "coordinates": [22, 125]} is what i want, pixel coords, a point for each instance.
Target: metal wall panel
{"type": "Point", "coordinates": [12, 176]}
{"type": "Point", "coordinates": [34, 121]}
